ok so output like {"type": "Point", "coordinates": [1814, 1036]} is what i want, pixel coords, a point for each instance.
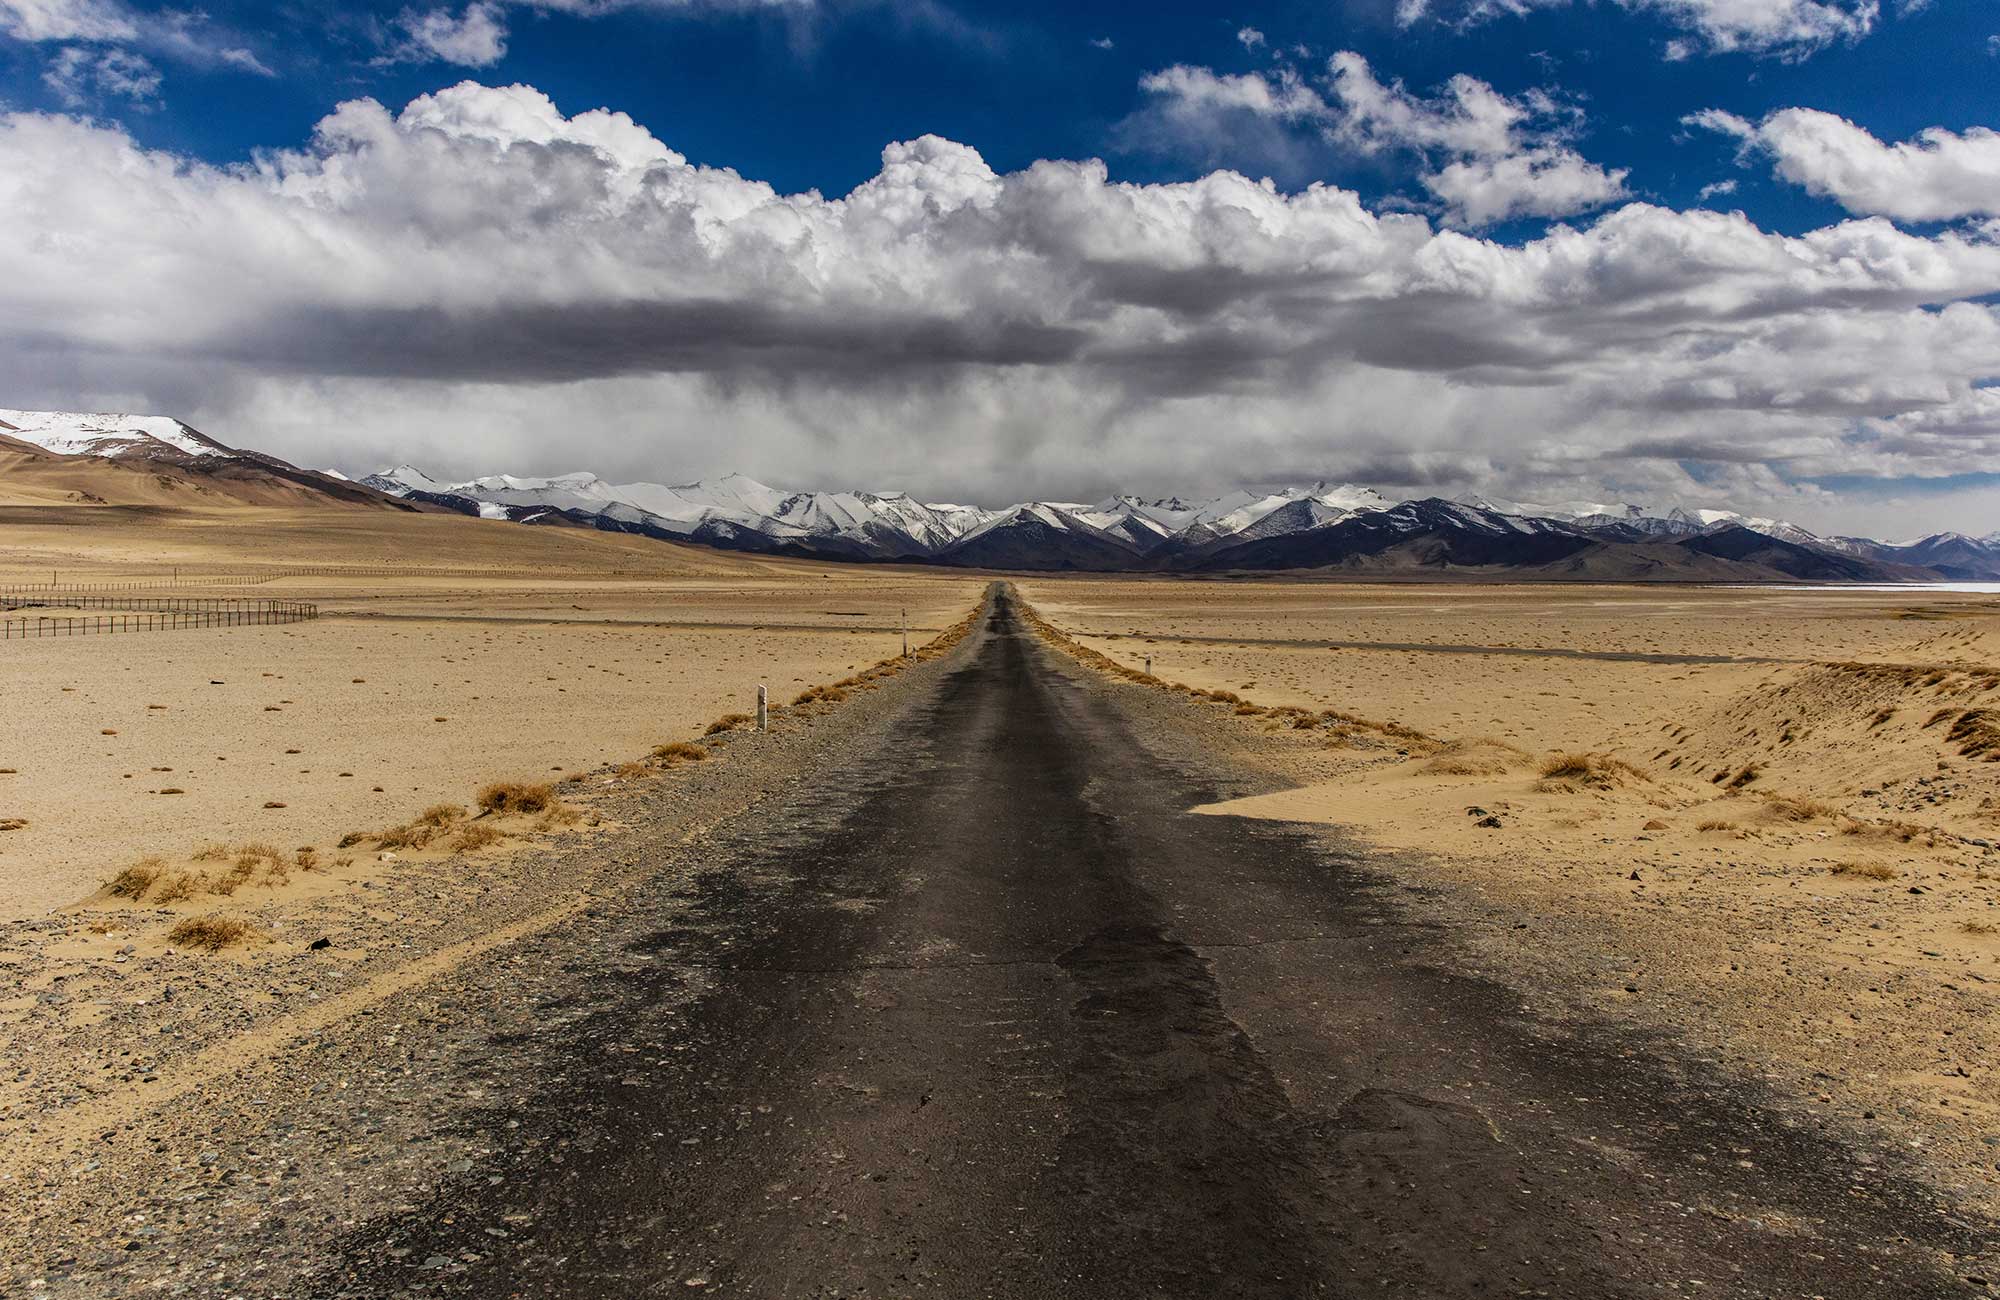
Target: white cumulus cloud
{"type": "Point", "coordinates": [1486, 156]}
{"type": "Point", "coordinates": [1787, 29]}
{"type": "Point", "coordinates": [1939, 176]}
{"type": "Point", "coordinates": [481, 281]}
{"type": "Point", "coordinates": [476, 38]}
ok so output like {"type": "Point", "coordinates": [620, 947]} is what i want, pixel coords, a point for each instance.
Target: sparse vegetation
{"type": "Point", "coordinates": [1978, 928]}
{"type": "Point", "coordinates": [679, 751]}
{"type": "Point", "coordinates": [478, 835]}
{"type": "Point", "coordinates": [558, 816]}
{"type": "Point", "coordinates": [631, 770]}
{"type": "Point", "coordinates": [1477, 757]}
{"type": "Point", "coordinates": [135, 880]}
{"type": "Point", "coordinates": [1594, 771]}
{"type": "Point", "coordinates": [1793, 809]}
{"type": "Point", "coordinates": [1716, 824]}
{"type": "Point", "coordinates": [440, 815]}
{"type": "Point", "coordinates": [504, 798]}
{"type": "Point", "coordinates": [1863, 870]}
{"type": "Point", "coordinates": [727, 722]}
{"type": "Point", "coordinates": [211, 933]}
{"type": "Point", "coordinates": [176, 887]}
{"type": "Point", "coordinates": [13, 823]}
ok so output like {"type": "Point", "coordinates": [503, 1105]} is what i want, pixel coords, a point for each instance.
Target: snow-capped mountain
{"type": "Point", "coordinates": [117, 437]}
{"type": "Point", "coordinates": [1307, 526]}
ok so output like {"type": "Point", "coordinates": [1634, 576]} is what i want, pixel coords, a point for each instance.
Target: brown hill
{"type": "Point", "coordinates": [30, 476]}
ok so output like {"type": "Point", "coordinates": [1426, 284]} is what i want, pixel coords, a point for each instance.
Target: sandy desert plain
{"type": "Point", "coordinates": [1760, 821]}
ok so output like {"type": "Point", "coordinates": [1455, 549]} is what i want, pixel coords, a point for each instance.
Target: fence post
{"type": "Point", "coordinates": [763, 712]}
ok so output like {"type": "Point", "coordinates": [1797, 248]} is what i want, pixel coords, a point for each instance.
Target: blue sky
{"type": "Point", "coordinates": [1537, 158]}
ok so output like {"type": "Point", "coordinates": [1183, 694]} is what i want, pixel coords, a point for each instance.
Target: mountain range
{"type": "Point", "coordinates": [1338, 529]}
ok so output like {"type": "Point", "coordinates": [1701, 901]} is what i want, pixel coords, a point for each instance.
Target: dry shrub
{"type": "Point", "coordinates": [1977, 734]}
{"type": "Point", "coordinates": [558, 816]}
{"type": "Point", "coordinates": [679, 751]}
{"type": "Point", "coordinates": [507, 797]}
{"type": "Point", "coordinates": [831, 694]}
{"type": "Point", "coordinates": [250, 857]}
{"type": "Point", "coordinates": [1787, 808]}
{"type": "Point", "coordinates": [1478, 757]}
{"type": "Point", "coordinates": [1597, 771]}
{"type": "Point", "coordinates": [412, 835]}
{"type": "Point", "coordinates": [306, 859]}
{"type": "Point", "coordinates": [212, 852]}
{"type": "Point", "coordinates": [135, 880]}
{"type": "Point", "coordinates": [476, 836]}
{"type": "Point", "coordinates": [727, 722]}
{"type": "Point", "coordinates": [630, 770]}
{"type": "Point", "coordinates": [1750, 772]}
{"type": "Point", "coordinates": [1716, 824]}
{"type": "Point", "coordinates": [353, 838]}
{"type": "Point", "coordinates": [1900, 831]}
{"type": "Point", "coordinates": [440, 815]}
{"type": "Point", "coordinates": [211, 933]}
{"type": "Point", "coordinates": [1863, 870]}
{"type": "Point", "coordinates": [177, 886]}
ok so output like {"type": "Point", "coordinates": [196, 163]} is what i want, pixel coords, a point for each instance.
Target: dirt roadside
{"type": "Point", "coordinates": [1833, 997]}
{"type": "Point", "coordinates": [165, 1110]}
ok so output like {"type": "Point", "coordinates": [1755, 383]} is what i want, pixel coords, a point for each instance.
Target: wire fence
{"type": "Point", "coordinates": [280, 574]}
{"type": "Point", "coordinates": [146, 615]}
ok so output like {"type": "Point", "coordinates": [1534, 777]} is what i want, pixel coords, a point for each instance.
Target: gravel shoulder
{"type": "Point", "coordinates": [188, 1123]}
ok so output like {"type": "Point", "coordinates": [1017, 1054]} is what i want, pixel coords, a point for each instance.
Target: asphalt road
{"type": "Point", "coordinates": [986, 1012]}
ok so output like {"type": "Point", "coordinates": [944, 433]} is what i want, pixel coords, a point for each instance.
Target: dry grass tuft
{"type": "Point", "coordinates": [559, 816]}
{"type": "Point", "coordinates": [1863, 870]}
{"type": "Point", "coordinates": [412, 835]}
{"type": "Point", "coordinates": [211, 933]}
{"type": "Point", "coordinates": [1788, 808]}
{"type": "Point", "coordinates": [476, 836]}
{"type": "Point", "coordinates": [1478, 757]}
{"type": "Point", "coordinates": [1900, 831]}
{"type": "Point", "coordinates": [441, 815]}
{"type": "Point", "coordinates": [213, 851]}
{"type": "Point", "coordinates": [728, 722]}
{"type": "Point", "coordinates": [679, 751]}
{"type": "Point", "coordinates": [1716, 824]}
{"type": "Point", "coordinates": [1564, 770]}
{"type": "Point", "coordinates": [507, 797]}
{"type": "Point", "coordinates": [830, 694]}
{"type": "Point", "coordinates": [13, 823]}
{"type": "Point", "coordinates": [135, 880]}
{"type": "Point", "coordinates": [177, 886]}
{"type": "Point", "coordinates": [631, 770]}
{"type": "Point", "coordinates": [1977, 734]}
{"type": "Point", "coordinates": [1750, 772]}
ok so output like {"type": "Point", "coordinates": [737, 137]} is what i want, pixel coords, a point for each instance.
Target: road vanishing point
{"type": "Point", "coordinates": [985, 1011]}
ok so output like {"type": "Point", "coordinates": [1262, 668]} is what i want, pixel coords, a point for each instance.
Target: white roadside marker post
{"type": "Point", "coordinates": [763, 702]}
{"type": "Point", "coordinates": [1149, 665]}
